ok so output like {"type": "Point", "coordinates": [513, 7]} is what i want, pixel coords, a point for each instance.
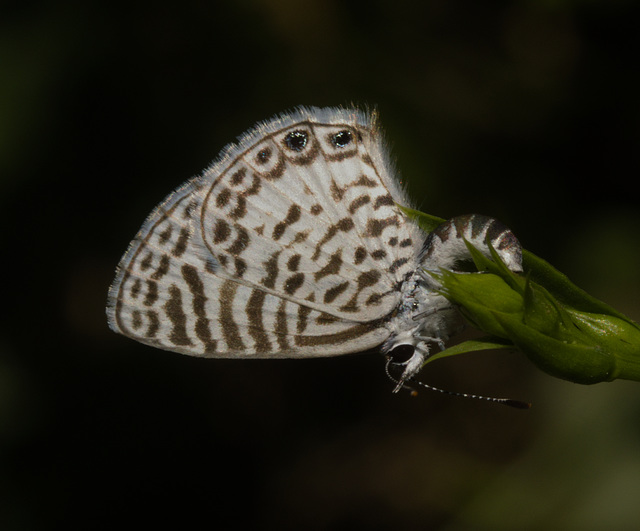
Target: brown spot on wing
{"type": "Point", "coordinates": [343, 225]}
{"type": "Point", "coordinates": [282, 329]}
{"type": "Point", "coordinates": [221, 231]}
{"type": "Point", "coordinates": [152, 293]}
{"type": "Point", "coordinates": [240, 209]}
{"type": "Point", "coordinates": [333, 293]}
{"type": "Point", "coordinates": [154, 323]}
{"type": "Point", "coordinates": [256, 326]}
{"type": "Point", "coordinates": [332, 267]}
{"type": "Point", "coordinates": [294, 262]}
{"type": "Point", "coordinates": [271, 267]}
{"type": "Point", "coordinates": [376, 226]}
{"type": "Point", "coordinates": [359, 256]}
{"type": "Point", "coordinates": [359, 202]}
{"type": "Point", "coordinates": [196, 286]}
{"type": "Point", "coordinates": [163, 268]}
{"type": "Point", "coordinates": [165, 235]}
{"type": "Point", "coordinates": [350, 334]}
{"type": "Point", "coordinates": [181, 244]}
{"type": "Point", "coordinates": [226, 318]}
{"type": "Point", "coordinates": [383, 200]}
{"type": "Point", "coordinates": [293, 215]}
{"type": "Point", "coordinates": [223, 197]}
{"type": "Point", "coordinates": [175, 312]}
{"type": "Point", "coordinates": [238, 177]}
{"type": "Point", "coordinates": [293, 283]}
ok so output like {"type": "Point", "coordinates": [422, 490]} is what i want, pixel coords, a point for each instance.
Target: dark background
{"type": "Point", "coordinates": [526, 111]}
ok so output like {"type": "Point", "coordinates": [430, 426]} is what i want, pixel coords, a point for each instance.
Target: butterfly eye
{"type": "Point", "coordinates": [296, 140]}
{"type": "Point", "coordinates": [341, 139]}
{"type": "Point", "coordinates": [401, 353]}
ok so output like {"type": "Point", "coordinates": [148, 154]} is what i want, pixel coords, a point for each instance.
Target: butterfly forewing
{"type": "Point", "coordinates": [292, 245]}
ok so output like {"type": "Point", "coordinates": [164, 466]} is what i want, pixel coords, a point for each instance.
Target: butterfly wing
{"type": "Point", "coordinates": [290, 245]}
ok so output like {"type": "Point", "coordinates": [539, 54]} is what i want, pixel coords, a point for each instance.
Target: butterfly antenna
{"type": "Point", "coordinates": [518, 404]}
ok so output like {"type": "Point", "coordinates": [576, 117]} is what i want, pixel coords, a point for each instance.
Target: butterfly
{"type": "Point", "coordinates": [292, 244]}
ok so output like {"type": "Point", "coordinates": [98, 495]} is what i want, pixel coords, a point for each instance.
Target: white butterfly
{"type": "Point", "coordinates": [292, 245]}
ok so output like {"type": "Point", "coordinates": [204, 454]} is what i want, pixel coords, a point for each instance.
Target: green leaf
{"type": "Point", "coordinates": [472, 345]}
{"type": "Point", "coordinates": [427, 222]}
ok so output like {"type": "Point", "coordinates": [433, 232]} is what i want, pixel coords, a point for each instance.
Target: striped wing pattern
{"type": "Point", "coordinates": [291, 245]}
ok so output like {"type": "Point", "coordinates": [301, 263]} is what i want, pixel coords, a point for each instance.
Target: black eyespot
{"type": "Point", "coordinates": [296, 140]}
{"type": "Point", "coordinates": [263, 156]}
{"type": "Point", "coordinates": [341, 139]}
{"type": "Point", "coordinates": [401, 353]}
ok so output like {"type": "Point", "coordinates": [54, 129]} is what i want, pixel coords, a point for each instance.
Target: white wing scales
{"type": "Point", "coordinates": [291, 245]}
